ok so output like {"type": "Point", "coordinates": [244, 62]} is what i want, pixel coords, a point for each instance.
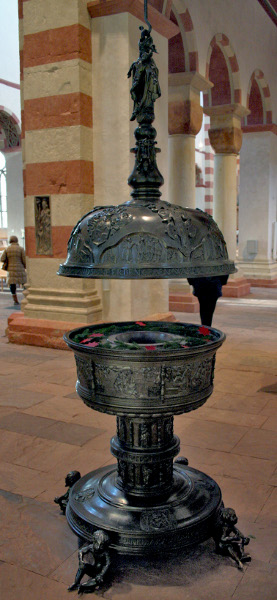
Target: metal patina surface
{"type": "Point", "coordinates": [159, 367]}
{"type": "Point", "coordinates": [146, 239]}
{"type": "Point", "coordinates": [145, 373]}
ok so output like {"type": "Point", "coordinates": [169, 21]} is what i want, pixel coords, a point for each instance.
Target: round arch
{"type": "Point", "coordinates": [258, 100]}
{"type": "Point", "coordinates": [223, 71]}
{"type": "Point", "coordinates": [10, 132]}
{"type": "Point", "coordinates": [182, 48]}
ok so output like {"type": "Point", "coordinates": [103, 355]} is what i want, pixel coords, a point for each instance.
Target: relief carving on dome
{"type": "Point", "coordinates": [106, 222]}
{"type": "Point", "coordinates": [135, 249]}
{"type": "Point", "coordinates": [196, 242]}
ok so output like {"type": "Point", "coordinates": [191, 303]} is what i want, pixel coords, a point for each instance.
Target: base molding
{"type": "Point", "coordinates": [260, 273]}
{"type": "Point", "coordinates": [267, 283]}
{"type": "Point", "coordinates": [62, 305]}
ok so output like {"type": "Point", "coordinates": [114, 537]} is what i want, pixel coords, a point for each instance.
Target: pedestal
{"type": "Point", "coordinates": [186, 515]}
{"type": "Point", "coordinates": [145, 374]}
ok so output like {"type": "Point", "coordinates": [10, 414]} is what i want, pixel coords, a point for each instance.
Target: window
{"type": "Point", "coordinates": [3, 193]}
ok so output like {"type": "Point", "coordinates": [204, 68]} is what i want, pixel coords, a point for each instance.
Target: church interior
{"type": "Point", "coordinates": [66, 132]}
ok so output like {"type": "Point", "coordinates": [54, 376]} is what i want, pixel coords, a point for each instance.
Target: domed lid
{"type": "Point", "coordinates": [146, 237]}
{"type": "Point", "coordinates": [139, 240]}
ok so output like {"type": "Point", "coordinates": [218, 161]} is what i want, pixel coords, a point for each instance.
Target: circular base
{"type": "Point", "coordinates": [187, 515]}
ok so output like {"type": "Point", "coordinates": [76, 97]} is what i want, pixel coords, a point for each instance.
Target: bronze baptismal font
{"type": "Point", "coordinates": [145, 372]}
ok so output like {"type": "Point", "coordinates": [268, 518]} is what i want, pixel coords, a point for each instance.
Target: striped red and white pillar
{"type": "Point", "coordinates": [209, 168]}
{"type": "Point", "coordinates": [56, 84]}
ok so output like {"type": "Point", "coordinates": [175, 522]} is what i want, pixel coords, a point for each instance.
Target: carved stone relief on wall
{"type": "Point", "coordinates": [43, 225]}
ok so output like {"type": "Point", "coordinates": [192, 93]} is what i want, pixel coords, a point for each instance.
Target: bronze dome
{"type": "Point", "coordinates": [141, 240]}
{"type": "Point", "coordinates": [146, 238]}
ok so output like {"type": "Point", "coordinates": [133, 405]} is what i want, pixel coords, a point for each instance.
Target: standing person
{"type": "Point", "coordinates": [16, 265]}
{"type": "Point", "coordinates": [207, 290]}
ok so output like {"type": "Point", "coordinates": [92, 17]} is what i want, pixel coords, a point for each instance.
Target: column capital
{"type": "Point", "coordinates": [185, 113]}
{"type": "Point", "coordinates": [195, 80]}
{"type": "Point", "coordinates": [184, 117]}
{"type": "Point", "coordinates": [225, 131]}
{"type": "Point", "coordinates": [226, 110]}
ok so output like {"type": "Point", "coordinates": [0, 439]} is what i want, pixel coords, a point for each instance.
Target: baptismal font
{"type": "Point", "coordinates": [145, 372]}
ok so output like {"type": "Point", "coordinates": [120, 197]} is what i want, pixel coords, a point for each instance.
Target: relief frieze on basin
{"type": "Point", "coordinates": [189, 378]}
{"type": "Point", "coordinates": [85, 372]}
{"type": "Point", "coordinates": [127, 382]}
{"type": "Point", "coordinates": [155, 381]}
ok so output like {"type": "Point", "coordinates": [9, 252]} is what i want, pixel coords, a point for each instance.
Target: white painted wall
{"type": "Point", "coordinates": [10, 99]}
{"type": "Point", "coordinates": [9, 56]}
{"type": "Point", "coordinates": [257, 211]}
{"type": "Point", "coordinates": [15, 201]}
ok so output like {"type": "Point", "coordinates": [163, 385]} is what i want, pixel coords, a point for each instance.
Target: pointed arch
{"type": "Point", "coordinates": [258, 100]}
{"type": "Point", "coordinates": [223, 71]}
{"type": "Point", "coordinates": [10, 133]}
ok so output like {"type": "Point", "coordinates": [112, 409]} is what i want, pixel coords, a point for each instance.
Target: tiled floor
{"type": "Point", "coordinates": [45, 431]}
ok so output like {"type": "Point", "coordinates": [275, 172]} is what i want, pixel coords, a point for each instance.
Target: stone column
{"type": "Point", "coordinates": [185, 116]}
{"type": "Point", "coordinates": [226, 138]}
{"type": "Point", "coordinates": [56, 86]}
{"type": "Point", "coordinates": [257, 205]}
{"type": "Point", "coordinates": [114, 47]}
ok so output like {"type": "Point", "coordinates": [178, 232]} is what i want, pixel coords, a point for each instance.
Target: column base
{"type": "Point", "coordinates": [183, 303]}
{"type": "Point", "coordinates": [62, 305]}
{"type": "Point", "coordinates": [267, 283]}
{"type": "Point", "coordinates": [49, 334]}
{"type": "Point", "coordinates": [260, 273]}
{"type": "Point", "coordinates": [236, 288]}
{"type": "Point", "coordinates": [180, 297]}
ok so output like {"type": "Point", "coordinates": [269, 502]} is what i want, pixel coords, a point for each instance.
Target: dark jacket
{"type": "Point", "coordinates": [208, 286]}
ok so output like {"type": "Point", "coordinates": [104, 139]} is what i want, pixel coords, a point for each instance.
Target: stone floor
{"type": "Point", "coordinates": [47, 431]}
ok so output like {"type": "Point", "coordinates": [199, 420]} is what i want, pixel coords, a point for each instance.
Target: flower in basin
{"type": "Point", "coordinates": [141, 323]}
{"type": "Point", "coordinates": [150, 347]}
{"type": "Point", "coordinates": [93, 335]}
{"type": "Point", "coordinates": [184, 346]}
{"type": "Point", "coordinates": [93, 344]}
{"type": "Point", "coordinates": [204, 330]}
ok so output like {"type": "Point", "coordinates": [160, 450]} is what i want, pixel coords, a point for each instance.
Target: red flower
{"type": "Point", "coordinates": [141, 323]}
{"type": "Point", "coordinates": [91, 336]}
{"type": "Point", "coordinates": [204, 330]}
{"type": "Point", "coordinates": [150, 347]}
{"type": "Point", "coordinates": [93, 344]}
{"type": "Point", "coordinates": [184, 346]}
